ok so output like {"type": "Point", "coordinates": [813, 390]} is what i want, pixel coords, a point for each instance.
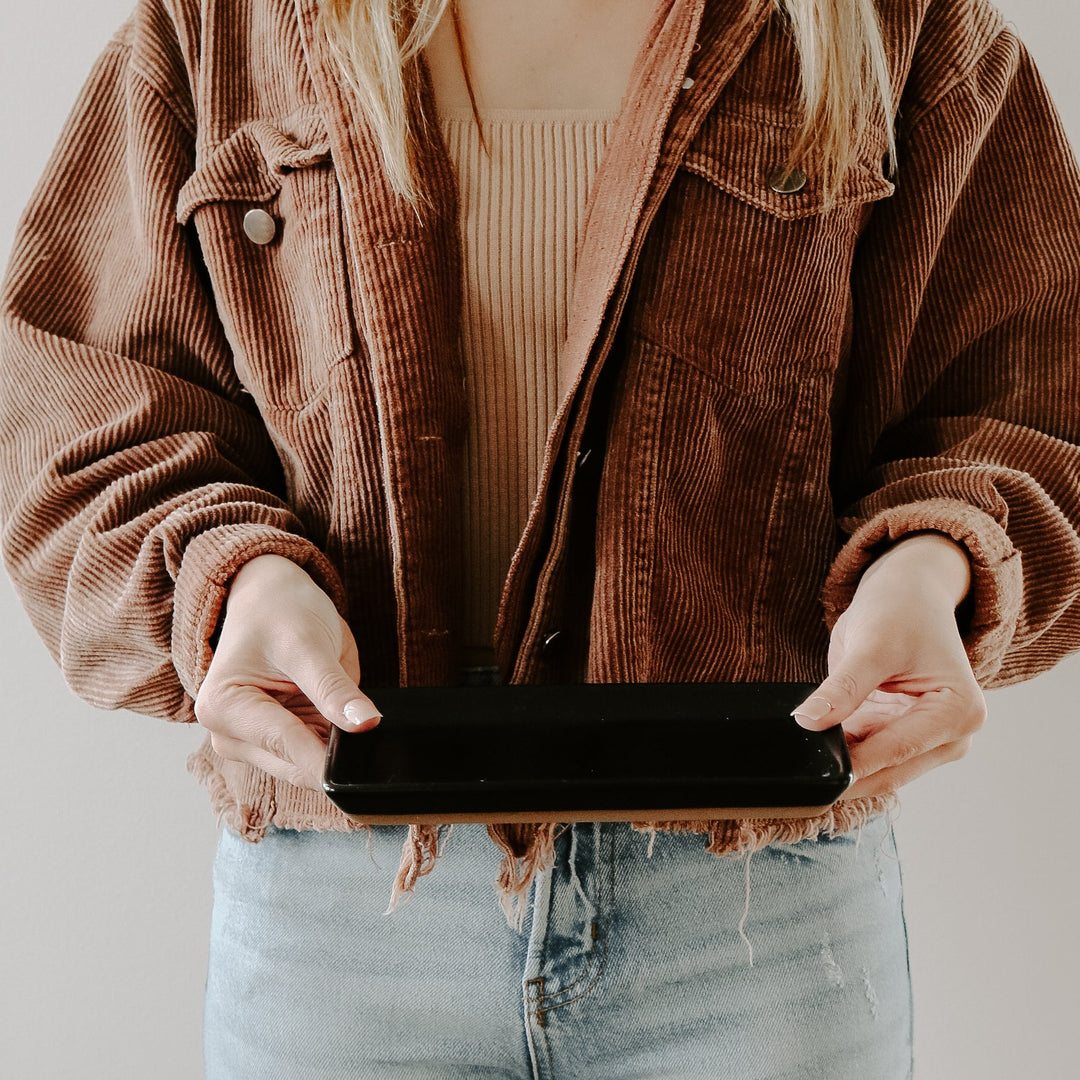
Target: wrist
{"type": "Point", "coordinates": [264, 575]}
{"type": "Point", "coordinates": [930, 562]}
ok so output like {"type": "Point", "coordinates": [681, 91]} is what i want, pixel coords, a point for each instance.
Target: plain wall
{"type": "Point", "coordinates": [107, 846]}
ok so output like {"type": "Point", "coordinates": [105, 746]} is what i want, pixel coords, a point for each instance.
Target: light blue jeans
{"type": "Point", "coordinates": [789, 966]}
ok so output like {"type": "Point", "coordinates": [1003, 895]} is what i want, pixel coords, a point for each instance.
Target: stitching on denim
{"type": "Point", "coordinates": [599, 949]}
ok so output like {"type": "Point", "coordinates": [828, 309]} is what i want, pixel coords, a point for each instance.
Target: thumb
{"type": "Point", "coordinates": [337, 697]}
{"type": "Point", "coordinates": [839, 695]}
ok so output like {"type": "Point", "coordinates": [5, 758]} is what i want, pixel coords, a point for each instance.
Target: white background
{"type": "Point", "coordinates": [107, 842]}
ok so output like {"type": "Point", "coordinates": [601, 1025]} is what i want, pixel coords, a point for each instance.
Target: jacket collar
{"type": "Point", "coordinates": [658, 118]}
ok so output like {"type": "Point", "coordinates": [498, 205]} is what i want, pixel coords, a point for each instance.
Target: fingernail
{"type": "Point", "coordinates": [812, 710]}
{"type": "Point", "coordinates": [359, 713]}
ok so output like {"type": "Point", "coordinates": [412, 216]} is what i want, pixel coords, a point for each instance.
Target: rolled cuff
{"type": "Point", "coordinates": [210, 563]}
{"type": "Point", "coordinates": [997, 587]}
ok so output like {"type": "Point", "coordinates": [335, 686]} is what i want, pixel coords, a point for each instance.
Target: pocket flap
{"type": "Point", "coordinates": [739, 153]}
{"type": "Point", "coordinates": [249, 164]}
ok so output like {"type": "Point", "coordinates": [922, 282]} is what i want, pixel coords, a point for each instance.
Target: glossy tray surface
{"type": "Point", "coordinates": [538, 752]}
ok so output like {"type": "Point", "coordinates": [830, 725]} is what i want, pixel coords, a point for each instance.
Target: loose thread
{"type": "Point", "coordinates": [574, 879]}
{"type": "Point", "coordinates": [418, 856]}
{"type": "Point", "coordinates": [746, 911]}
{"type": "Point", "coordinates": [371, 850]}
{"type": "Point", "coordinates": [652, 843]}
{"type": "Point", "coordinates": [445, 839]}
{"type": "Point", "coordinates": [893, 815]}
{"type": "Point", "coordinates": [521, 863]}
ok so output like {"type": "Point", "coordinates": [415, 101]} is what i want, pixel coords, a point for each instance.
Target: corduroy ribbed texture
{"type": "Point", "coordinates": [524, 180]}
{"type": "Point", "coordinates": [754, 394]}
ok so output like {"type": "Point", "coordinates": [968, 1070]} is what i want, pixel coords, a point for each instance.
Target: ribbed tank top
{"type": "Point", "coordinates": [522, 209]}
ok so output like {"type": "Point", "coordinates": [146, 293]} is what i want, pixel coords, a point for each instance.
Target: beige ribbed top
{"type": "Point", "coordinates": [522, 206]}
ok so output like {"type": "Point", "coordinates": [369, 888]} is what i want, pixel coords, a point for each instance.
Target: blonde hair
{"type": "Point", "coordinates": [844, 76]}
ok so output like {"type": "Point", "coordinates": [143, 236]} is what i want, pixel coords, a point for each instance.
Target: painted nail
{"type": "Point", "coordinates": [358, 713]}
{"type": "Point", "coordinates": [812, 710]}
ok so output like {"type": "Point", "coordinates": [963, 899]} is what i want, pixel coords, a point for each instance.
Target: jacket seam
{"type": "Point", "coordinates": [682, 358]}
{"type": "Point", "coordinates": [122, 44]}
{"type": "Point", "coordinates": [928, 108]}
{"type": "Point", "coordinates": [165, 97]}
{"type": "Point", "coordinates": [667, 350]}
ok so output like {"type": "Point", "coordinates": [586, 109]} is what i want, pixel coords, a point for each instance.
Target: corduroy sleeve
{"type": "Point", "coordinates": [136, 481]}
{"type": "Point", "coordinates": [963, 398]}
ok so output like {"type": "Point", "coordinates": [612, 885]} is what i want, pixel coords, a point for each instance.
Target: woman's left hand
{"type": "Point", "coordinates": [899, 679]}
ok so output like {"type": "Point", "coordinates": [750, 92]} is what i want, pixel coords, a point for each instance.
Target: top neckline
{"type": "Point", "coordinates": [540, 116]}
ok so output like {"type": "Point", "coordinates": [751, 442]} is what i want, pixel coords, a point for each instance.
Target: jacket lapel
{"type": "Point", "coordinates": [407, 271]}
{"type": "Point", "coordinates": [695, 48]}
{"type": "Point", "coordinates": [658, 119]}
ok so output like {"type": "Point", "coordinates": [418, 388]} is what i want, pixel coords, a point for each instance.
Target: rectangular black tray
{"type": "Point", "coordinates": [591, 752]}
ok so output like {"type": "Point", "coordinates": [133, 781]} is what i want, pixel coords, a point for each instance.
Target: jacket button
{"type": "Point", "coordinates": [785, 182]}
{"type": "Point", "coordinates": [687, 83]}
{"type": "Point", "coordinates": [549, 640]}
{"type": "Point", "coordinates": [259, 227]}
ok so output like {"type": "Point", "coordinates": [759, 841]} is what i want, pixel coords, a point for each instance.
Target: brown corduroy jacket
{"type": "Point", "coordinates": [756, 393]}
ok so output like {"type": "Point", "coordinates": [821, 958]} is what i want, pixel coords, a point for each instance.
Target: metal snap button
{"type": "Point", "coordinates": [787, 182]}
{"type": "Point", "coordinates": [259, 226]}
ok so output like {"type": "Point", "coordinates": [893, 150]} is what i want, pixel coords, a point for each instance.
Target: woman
{"type": "Point", "coordinates": [236, 408]}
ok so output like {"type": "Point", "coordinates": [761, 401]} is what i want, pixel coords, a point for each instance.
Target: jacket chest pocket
{"type": "Point", "coordinates": [743, 275]}
{"type": "Point", "coordinates": [267, 208]}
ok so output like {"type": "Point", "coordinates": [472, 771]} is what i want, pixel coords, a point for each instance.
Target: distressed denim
{"type": "Point", "coordinates": [639, 956]}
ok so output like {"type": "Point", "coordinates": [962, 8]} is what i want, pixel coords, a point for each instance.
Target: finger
{"type": "Point", "coordinates": [915, 733]}
{"type": "Point", "coordinates": [888, 780]}
{"type": "Point", "coordinates": [300, 776]}
{"type": "Point", "coordinates": [875, 712]}
{"type": "Point", "coordinates": [841, 693]}
{"type": "Point", "coordinates": [330, 688]}
{"type": "Point", "coordinates": [350, 658]}
{"type": "Point", "coordinates": [938, 717]}
{"type": "Point", "coordinates": [941, 718]}
{"type": "Point", "coordinates": [271, 738]}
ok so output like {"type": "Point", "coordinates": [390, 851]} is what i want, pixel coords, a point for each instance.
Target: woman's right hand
{"type": "Point", "coordinates": [284, 669]}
